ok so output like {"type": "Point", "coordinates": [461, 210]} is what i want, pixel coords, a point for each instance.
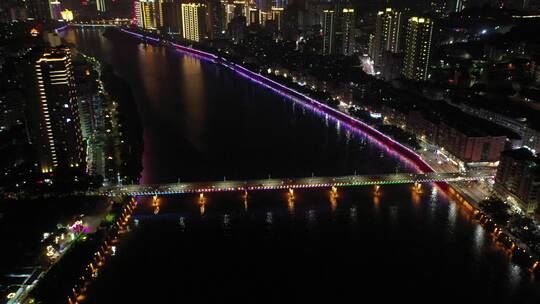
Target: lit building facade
{"type": "Point", "coordinates": [518, 178]}
{"type": "Point", "coordinates": [347, 31]}
{"type": "Point", "coordinates": [417, 48]}
{"type": "Point", "coordinates": [56, 131]}
{"type": "Point", "coordinates": [229, 12]}
{"type": "Point", "coordinates": [328, 31]}
{"type": "Point", "coordinates": [146, 14]}
{"type": "Point", "coordinates": [254, 15]}
{"type": "Point", "coordinates": [101, 5]}
{"type": "Point", "coordinates": [277, 16]}
{"type": "Point", "coordinates": [67, 15]}
{"type": "Point", "coordinates": [458, 5]}
{"type": "Point", "coordinates": [387, 36]}
{"type": "Point", "coordinates": [263, 17]}
{"type": "Point", "coordinates": [194, 21]}
{"type": "Point", "coordinates": [56, 10]}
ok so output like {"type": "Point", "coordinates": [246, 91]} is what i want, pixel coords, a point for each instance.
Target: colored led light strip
{"type": "Point", "coordinates": [60, 29]}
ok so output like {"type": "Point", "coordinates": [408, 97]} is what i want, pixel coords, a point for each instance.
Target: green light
{"type": "Point", "coordinates": [109, 217]}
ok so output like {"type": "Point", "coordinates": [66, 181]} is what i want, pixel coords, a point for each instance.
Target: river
{"type": "Point", "coordinates": [204, 122]}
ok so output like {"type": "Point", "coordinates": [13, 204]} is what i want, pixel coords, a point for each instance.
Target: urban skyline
{"type": "Point", "coordinates": [397, 140]}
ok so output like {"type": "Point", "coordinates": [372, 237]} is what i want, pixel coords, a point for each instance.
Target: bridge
{"type": "Point", "coordinates": [103, 22]}
{"type": "Point", "coordinates": [292, 183]}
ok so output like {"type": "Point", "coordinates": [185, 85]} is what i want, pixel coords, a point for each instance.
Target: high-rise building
{"type": "Point", "coordinates": [12, 105]}
{"type": "Point", "coordinates": [338, 30]}
{"type": "Point", "coordinates": [39, 9]}
{"type": "Point", "coordinates": [249, 9]}
{"type": "Point", "coordinates": [254, 16]}
{"type": "Point", "coordinates": [371, 46]}
{"type": "Point", "coordinates": [265, 5]}
{"type": "Point", "coordinates": [277, 16]}
{"type": "Point", "coordinates": [56, 9]}
{"type": "Point", "coordinates": [328, 31]}
{"type": "Point", "coordinates": [56, 130]}
{"type": "Point", "coordinates": [216, 16]}
{"type": "Point", "coordinates": [229, 12]}
{"type": "Point", "coordinates": [237, 29]}
{"type": "Point", "coordinates": [147, 14]}
{"type": "Point", "coordinates": [170, 16]}
{"type": "Point", "coordinates": [387, 36]}
{"type": "Point", "coordinates": [194, 21]}
{"type": "Point", "coordinates": [518, 178]}
{"type": "Point", "coordinates": [445, 7]}
{"type": "Point", "coordinates": [458, 5]}
{"type": "Point", "coordinates": [263, 17]}
{"type": "Point", "coordinates": [293, 22]}
{"type": "Point", "coordinates": [101, 5]}
{"type": "Point", "coordinates": [347, 31]}
{"type": "Point", "coordinates": [280, 3]}
{"type": "Point", "coordinates": [417, 48]}
{"type": "Point", "coordinates": [241, 8]}
{"type": "Point", "coordinates": [393, 64]}
{"type": "Point", "coordinates": [67, 15]}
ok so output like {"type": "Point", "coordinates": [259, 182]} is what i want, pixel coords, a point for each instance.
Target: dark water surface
{"type": "Point", "coordinates": [202, 122]}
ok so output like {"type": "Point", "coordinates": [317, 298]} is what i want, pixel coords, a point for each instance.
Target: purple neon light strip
{"type": "Point", "coordinates": [414, 159]}
{"type": "Point", "coordinates": [180, 47]}
{"type": "Point", "coordinates": [187, 49]}
{"type": "Point", "coordinates": [62, 28]}
{"type": "Point", "coordinates": [140, 36]}
{"type": "Point", "coordinates": [336, 113]}
{"type": "Point", "coordinates": [319, 111]}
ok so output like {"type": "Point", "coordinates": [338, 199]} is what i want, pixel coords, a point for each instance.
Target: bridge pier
{"type": "Point", "coordinates": [291, 192]}
{"type": "Point", "coordinates": [417, 187]}
{"type": "Point", "coordinates": [333, 198]}
{"type": "Point", "coordinates": [333, 191]}
{"type": "Point", "coordinates": [155, 204]}
{"type": "Point", "coordinates": [376, 190]}
{"type": "Point", "coordinates": [290, 201]}
{"type": "Point", "coordinates": [202, 204]}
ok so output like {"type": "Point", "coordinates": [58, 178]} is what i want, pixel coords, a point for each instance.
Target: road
{"type": "Point", "coordinates": [476, 190]}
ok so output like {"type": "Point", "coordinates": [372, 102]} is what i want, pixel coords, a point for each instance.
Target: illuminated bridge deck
{"type": "Point", "coordinates": [292, 183]}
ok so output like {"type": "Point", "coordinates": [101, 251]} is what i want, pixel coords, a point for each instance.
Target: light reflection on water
{"type": "Point", "coordinates": [452, 217]}
{"type": "Point", "coordinates": [333, 195]}
{"type": "Point", "coordinates": [514, 275]}
{"type": "Point", "coordinates": [353, 216]}
{"type": "Point", "coordinates": [269, 218]}
{"type": "Point", "coordinates": [478, 244]}
{"type": "Point", "coordinates": [311, 216]}
{"type": "Point", "coordinates": [197, 114]}
{"type": "Point", "coordinates": [290, 206]}
{"type": "Point", "coordinates": [321, 226]}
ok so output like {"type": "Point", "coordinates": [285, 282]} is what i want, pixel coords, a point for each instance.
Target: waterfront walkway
{"type": "Point", "coordinates": [292, 183]}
